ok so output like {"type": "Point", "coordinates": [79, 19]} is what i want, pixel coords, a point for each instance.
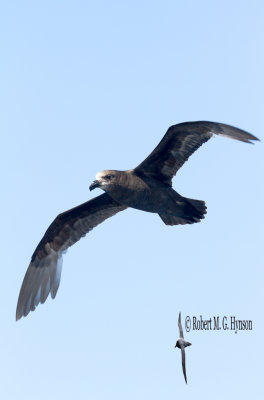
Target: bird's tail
{"type": "Point", "coordinates": [198, 205]}
{"type": "Point", "coordinates": [193, 212]}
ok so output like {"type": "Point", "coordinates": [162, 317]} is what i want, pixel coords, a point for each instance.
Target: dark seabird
{"type": "Point", "coordinates": [147, 187]}
{"type": "Point", "coordinates": [181, 344]}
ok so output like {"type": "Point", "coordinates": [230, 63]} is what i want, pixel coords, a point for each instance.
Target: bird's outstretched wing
{"type": "Point", "coordinates": [180, 142]}
{"type": "Point", "coordinates": [180, 326]}
{"type": "Point", "coordinates": [44, 271]}
{"type": "Point", "coordinates": [183, 363]}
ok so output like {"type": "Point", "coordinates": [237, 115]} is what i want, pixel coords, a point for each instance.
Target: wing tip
{"type": "Point", "coordinates": [18, 316]}
{"type": "Point", "coordinates": [39, 282]}
{"type": "Point", "coordinates": [236, 133]}
{"type": "Point", "coordinates": [19, 311]}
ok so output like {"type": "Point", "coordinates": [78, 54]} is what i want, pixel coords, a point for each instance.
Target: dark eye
{"type": "Point", "coordinates": [108, 177]}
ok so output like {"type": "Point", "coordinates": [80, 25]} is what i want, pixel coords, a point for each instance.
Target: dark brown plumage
{"type": "Point", "coordinates": [43, 274]}
{"type": "Point", "coordinates": [147, 187]}
{"type": "Point", "coordinates": [180, 142]}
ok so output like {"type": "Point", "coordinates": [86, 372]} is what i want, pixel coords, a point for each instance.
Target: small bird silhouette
{"type": "Point", "coordinates": [181, 344]}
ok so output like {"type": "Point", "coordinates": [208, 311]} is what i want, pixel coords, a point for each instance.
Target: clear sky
{"type": "Point", "coordinates": [91, 85]}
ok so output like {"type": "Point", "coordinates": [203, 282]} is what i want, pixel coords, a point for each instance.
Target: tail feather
{"type": "Point", "coordinates": [173, 220]}
{"type": "Point", "coordinates": [196, 211]}
{"type": "Point", "coordinates": [198, 205]}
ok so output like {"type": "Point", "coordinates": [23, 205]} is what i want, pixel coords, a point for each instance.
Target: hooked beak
{"type": "Point", "coordinates": [94, 185]}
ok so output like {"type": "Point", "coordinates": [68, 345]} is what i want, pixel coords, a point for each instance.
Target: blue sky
{"type": "Point", "coordinates": [87, 86]}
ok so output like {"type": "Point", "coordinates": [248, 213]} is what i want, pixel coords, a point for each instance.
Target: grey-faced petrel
{"type": "Point", "coordinates": [147, 187]}
{"type": "Point", "coordinates": [181, 344]}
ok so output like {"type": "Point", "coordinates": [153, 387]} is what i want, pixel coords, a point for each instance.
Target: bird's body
{"type": "Point", "coordinates": [148, 194]}
{"type": "Point", "coordinates": [182, 344]}
{"type": "Point", "coordinates": [130, 190]}
{"type": "Point", "coordinates": [148, 187]}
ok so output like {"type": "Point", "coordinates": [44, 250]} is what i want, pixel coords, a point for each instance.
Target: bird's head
{"type": "Point", "coordinates": [104, 179]}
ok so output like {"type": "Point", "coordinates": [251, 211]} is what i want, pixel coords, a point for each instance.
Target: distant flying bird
{"type": "Point", "coordinates": [181, 344]}
{"type": "Point", "coordinates": [147, 187]}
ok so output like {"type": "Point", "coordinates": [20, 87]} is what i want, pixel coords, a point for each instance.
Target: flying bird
{"type": "Point", "coordinates": [181, 344]}
{"type": "Point", "coordinates": [147, 187]}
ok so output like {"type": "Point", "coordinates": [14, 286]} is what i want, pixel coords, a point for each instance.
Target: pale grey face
{"type": "Point", "coordinates": [103, 180]}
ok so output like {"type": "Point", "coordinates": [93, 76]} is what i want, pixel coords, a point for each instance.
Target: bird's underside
{"type": "Point", "coordinates": [146, 187]}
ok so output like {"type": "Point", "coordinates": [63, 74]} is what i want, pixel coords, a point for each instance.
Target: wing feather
{"type": "Point", "coordinates": [180, 326]}
{"type": "Point", "coordinates": [43, 274]}
{"type": "Point", "coordinates": [183, 363]}
{"type": "Point", "coordinates": [180, 142]}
